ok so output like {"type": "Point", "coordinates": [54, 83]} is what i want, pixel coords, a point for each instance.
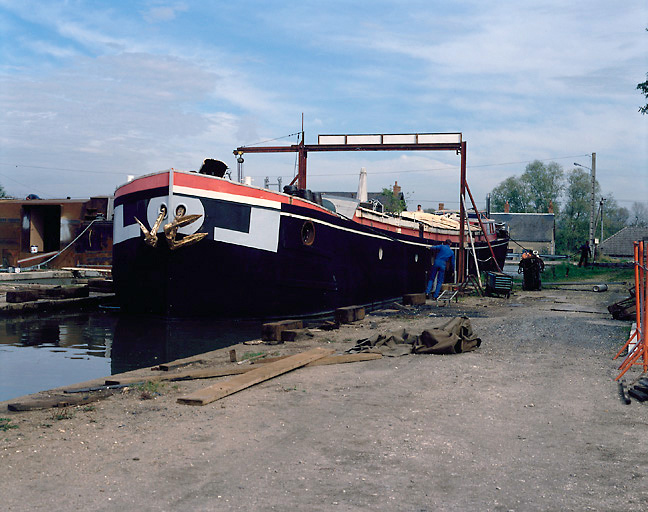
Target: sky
{"type": "Point", "coordinates": [94, 91]}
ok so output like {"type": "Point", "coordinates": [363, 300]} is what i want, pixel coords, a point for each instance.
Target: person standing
{"type": "Point", "coordinates": [585, 254]}
{"type": "Point", "coordinates": [443, 254]}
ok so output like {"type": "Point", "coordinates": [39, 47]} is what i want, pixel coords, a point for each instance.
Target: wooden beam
{"type": "Point", "coordinates": [260, 374]}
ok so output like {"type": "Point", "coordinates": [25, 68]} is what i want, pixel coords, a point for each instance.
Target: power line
{"type": "Point", "coordinates": [63, 169]}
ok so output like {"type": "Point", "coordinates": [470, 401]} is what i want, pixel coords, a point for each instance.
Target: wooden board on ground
{"type": "Point", "coordinates": [211, 373]}
{"type": "Point", "coordinates": [573, 308]}
{"type": "Point", "coordinates": [57, 401]}
{"type": "Point", "coordinates": [260, 374]}
{"type": "Point", "coordinates": [413, 299]}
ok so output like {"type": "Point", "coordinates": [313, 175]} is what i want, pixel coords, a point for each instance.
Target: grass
{"type": "Point", "coordinates": [566, 272]}
{"type": "Point", "coordinates": [5, 424]}
{"type": "Point", "coordinates": [149, 389]}
{"type": "Point", "coordinates": [250, 355]}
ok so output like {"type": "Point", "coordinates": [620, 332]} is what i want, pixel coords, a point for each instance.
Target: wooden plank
{"type": "Point", "coordinates": [57, 401]}
{"type": "Point", "coordinates": [260, 374]}
{"type": "Point", "coordinates": [346, 358]}
{"type": "Point", "coordinates": [336, 359]}
{"type": "Point", "coordinates": [575, 308]}
{"type": "Point", "coordinates": [207, 373]}
{"type": "Point", "coordinates": [212, 373]}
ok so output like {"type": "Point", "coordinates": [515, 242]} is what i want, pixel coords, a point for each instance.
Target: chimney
{"type": "Point", "coordinates": [507, 207]}
{"type": "Point", "coordinates": [441, 206]}
{"type": "Point", "coordinates": [550, 207]}
{"type": "Point", "coordinates": [396, 189]}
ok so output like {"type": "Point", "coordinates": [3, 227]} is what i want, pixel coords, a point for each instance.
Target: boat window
{"type": "Point", "coordinates": [416, 258]}
{"type": "Point", "coordinates": [380, 253]}
{"type": "Point", "coordinates": [308, 233]}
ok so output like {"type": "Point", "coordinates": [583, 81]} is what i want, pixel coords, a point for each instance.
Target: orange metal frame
{"type": "Point", "coordinates": [638, 355]}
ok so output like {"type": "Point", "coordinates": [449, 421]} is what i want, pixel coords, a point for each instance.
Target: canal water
{"type": "Point", "coordinates": [40, 353]}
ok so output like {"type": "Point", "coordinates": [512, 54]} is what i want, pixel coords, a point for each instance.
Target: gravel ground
{"type": "Point", "coordinates": [531, 420]}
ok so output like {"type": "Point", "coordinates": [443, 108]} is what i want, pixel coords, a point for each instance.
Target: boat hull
{"type": "Point", "coordinates": [264, 254]}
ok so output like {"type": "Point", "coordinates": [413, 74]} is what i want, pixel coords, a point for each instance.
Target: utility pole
{"type": "Point", "coordinates": [592, 203]}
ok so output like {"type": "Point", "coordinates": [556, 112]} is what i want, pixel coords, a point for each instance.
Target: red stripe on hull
{"type": "Point", "coordinates": [144, 183]}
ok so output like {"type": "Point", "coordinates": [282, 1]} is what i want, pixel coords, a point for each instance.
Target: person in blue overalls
{"type": "Point", "coordinates": [443, 254]}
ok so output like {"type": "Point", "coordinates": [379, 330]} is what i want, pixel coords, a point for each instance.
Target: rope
{"type": "Point", "coordinates": [38, 266]}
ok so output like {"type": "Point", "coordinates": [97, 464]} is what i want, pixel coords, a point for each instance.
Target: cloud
{"type": "Point", "coordinates": [163, 13]}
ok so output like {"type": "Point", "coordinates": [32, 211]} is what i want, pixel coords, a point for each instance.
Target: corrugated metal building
{"type": "Point", "coordinates": [533, 231]}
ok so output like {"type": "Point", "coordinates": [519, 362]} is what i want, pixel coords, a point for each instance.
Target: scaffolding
{"type": "Point", "coordinates": [637, 345]}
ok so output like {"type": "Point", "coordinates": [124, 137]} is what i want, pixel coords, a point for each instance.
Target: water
{"type": "Point", "coordinates": [40, 353]}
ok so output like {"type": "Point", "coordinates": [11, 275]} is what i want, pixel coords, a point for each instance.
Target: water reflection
{"type": "Point", "coordinates": [145, 341]}
{"type": "Point", "coordinates": [39, 353]}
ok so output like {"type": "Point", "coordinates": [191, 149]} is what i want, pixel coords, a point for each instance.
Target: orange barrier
{"type": "Point", "coordinates": [639, 354]}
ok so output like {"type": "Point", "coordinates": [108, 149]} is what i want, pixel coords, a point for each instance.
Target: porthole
{"type": "Point", "coordinates": [380, 253]}
{"type": "Point", "coordinates": [163, 209]}
{"type": "Point", "coordinates": [308, 233]}
{"type": "Point", "coordinates": [180, 210]}
{"type": "Point", "coordinates": [416, 258]}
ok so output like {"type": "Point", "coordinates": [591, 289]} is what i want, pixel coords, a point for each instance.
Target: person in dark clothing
{"type": "Point", "coordinates": [531, 265]}
{"type": "Point", "coordinates": [443, 254]}
{"type": "Point", "coordinates": [585, 254]}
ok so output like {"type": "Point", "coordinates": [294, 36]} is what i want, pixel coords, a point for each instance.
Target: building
{"type": "Point", "coordinates": [68, 232]}
{"type": "Point", "coordinates": [532, 231]}
{"type": "Point", "coordinates": [621, 243]}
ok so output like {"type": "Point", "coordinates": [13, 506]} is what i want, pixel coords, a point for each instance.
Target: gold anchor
{"type": "Point", "coordinates": [171, 229]}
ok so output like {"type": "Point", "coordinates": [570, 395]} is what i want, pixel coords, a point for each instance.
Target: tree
{"type": "Point", "coordinates": [544, 183]}
{"type": "Point", "coordinates": [614, 217]}
{"type": "Point", "coordinates": [539, 185]}
{"type": "Point", "coordinates": [643, 87]}
{"type": "Point", "coordinates": [573, 221]}
{"type": "Point", "coordinates": [3, 193]}
{"type": "Point", "coordinates": [639, 215]}
{"type": "Point", "coordinates": [512, 190]}
{"type": "Point", "coordinates": [392, 202]}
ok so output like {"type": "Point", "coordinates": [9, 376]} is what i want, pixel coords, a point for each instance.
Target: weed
{"type": "Point", "coordinates": [5, 424]}
{"type": "Point", "coordinates": [64, 414]}
{"type": "Point", "coordinates": [149, 389]}
{"type": "Point", "coordinates": [89, 408]}
{"type": "Point", "coordinates": [250, 355]}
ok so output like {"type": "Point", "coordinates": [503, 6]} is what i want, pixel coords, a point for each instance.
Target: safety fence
{"type": "Point", "coordinates": [637, 344]}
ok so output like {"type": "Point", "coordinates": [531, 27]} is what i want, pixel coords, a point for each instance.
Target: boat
{"type": "Point", "coordinates": [200, 243]}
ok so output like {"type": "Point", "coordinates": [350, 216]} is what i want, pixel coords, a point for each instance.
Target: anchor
{"type": "Point", "coordinates": [150, 237]}
{"type": "Point", "coordinates": [171, 230]}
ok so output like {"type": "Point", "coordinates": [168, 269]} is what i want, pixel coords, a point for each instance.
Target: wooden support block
{"type": "Point", "coordinates": [412, 299]}
{"type": "Point", "coordinates": [65, 292]}
{"type": "Point", "coordinates": [101, 285]}
{"type": "Point", "coordinates": [295, 334]}
{"type": "Point", "coordinates": [232, 354]}
{"type": "Point", "coordinates": [272, 331]}
{"type": "Point", "coordinates": [15, 296]}
{"type": "Point", "coordinates": [260, 374]}
{"type": "Point", "coordinates": [349, 314]}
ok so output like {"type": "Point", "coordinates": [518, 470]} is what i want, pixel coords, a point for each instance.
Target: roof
{"type": "Point", "coordinates": [621, 243]}
{"type": "Point", "coordinates": [530, 227]}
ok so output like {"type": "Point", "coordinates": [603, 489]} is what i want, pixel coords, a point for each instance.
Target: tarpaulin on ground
{"type": "Point", "coordinates": [453, 337]}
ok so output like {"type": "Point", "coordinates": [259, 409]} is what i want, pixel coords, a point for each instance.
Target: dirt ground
{"type": "Point", "coordinates": [532, 420]}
